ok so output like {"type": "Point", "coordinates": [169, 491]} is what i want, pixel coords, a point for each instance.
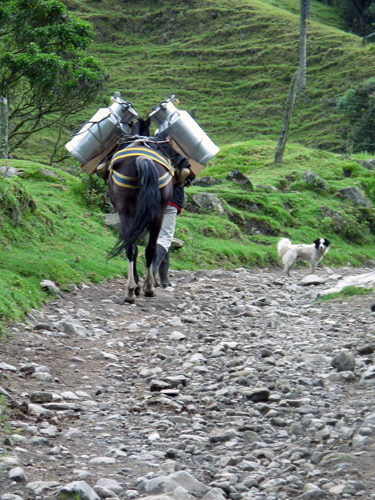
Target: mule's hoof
{"type": "Point", "coordinates": [137, 291]}
{"type": "Point", "coordinates": [149, 293]}
{"type": "Point", "coordinates": [129, 299]}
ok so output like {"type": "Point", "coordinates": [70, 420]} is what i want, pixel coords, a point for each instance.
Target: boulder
{"type": "Point", "coordinates": [77, 489]}
{"type": "Point", "coordinates": [209, 202]}
{"type": "Point", "coordinates": [354, 194]}
{"type": "Point", "coordinates": [8, 172]}
{"type": "Point", "coordinates": [113, 221]}
{"type": "Point", "coordinates": [313, 179]}
{"type": "Point", "coordinates": [206, 181]}
{"type": "Point", "coordinates": [239, 178]}
{"type": "Point", "coordinates": [166, 484]}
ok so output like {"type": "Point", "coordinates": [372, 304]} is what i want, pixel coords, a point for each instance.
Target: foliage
{"type": "Point", "coordinates": [358, 106]}
{"type": "Point", "coordinates": [45, 71]}
{"type": "Point", "coordinates": [94, 191]}
{"type": "Point", "coordinates": [358, 15]}
{"type": "Point", "coordinates": [348, 291]}
{"type": "Point", "coordinates": [216, 57]}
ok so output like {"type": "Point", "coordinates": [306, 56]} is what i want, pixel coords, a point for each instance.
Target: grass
{"type": "Point", "coordinates": [52, 227]}
{"type": "Point", "coordinates": [231, 60]}
{"type": "Point", "coordinates": [349, 291]}
{"type": "Point", "coordinates": [57, 236]}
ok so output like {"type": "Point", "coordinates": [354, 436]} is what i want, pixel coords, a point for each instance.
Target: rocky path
{"type": "Point", "coordinates": [236, 385]}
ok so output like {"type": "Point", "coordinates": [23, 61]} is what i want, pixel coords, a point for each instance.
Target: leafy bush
{"type": "Point", "coordinates": [358, 106]}
{"type": "Point", "coordinates": [95, 192]}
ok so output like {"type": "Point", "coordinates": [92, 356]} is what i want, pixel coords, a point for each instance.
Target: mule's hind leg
{"type": "Point", "coordinates": [137, 290]}
{"type": "Point", "coordinates": [131, 284]}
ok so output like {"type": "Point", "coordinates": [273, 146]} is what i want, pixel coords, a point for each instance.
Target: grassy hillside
{"type": "Point", "coordinates": [231, 59]}
{"type": "Point", "coordinates": [48, 230]}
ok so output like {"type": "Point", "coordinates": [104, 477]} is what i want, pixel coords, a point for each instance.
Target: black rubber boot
{"type": "Point", "coordinates": [164, 271]}
{"type": "Point", "coordinates": [159, 257]}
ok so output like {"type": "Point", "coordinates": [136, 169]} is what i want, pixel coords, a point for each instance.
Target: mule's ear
{"type": "Point", "coordinates": [148, 121]}
{"type": "Point", "coordinates": [317, 243]}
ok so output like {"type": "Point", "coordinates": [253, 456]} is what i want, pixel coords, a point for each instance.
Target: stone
{"type": "Point", "coordinates": [166, 484]}
{"type": "Point", "coordinates": [39, 487]}
{"type": "Point", "coordinates": [312, 279]}
{"type": "Point", "coordinates": [312, 491]}
{"type": "Point", "coordinates": [344, 361]}
{"type": "Point", "coordinates": [206, 181]}
{"type": "Point", "coordinates": [104, 492]}
{"type": "Point", "coordinates": [81, 488]}
{"type": "Point", "coordinates": [50, 287]}
{"type": "Point", "coordinates": [10, 496]}
{"type": "Point", "coordinates": [314, 180]}
{"type": "Point", "coordinates": [113, 221]}
{"type": "Point", "coordinates": [7, 172]}
{"type": "Point", "coordinates": [102, 460]}
{"type": "Point", "coordinates": [5, 366]}
{"type": "Point", "coordinates": [366, 280]}
{"type": "Point", "coordinates": [111, 484]}
{"type": "Point", "coordinates": [209, 202]}
{"type": "Point", "coordinates": [43, 376]}
{"type": "Point", "coordinates": [354, 194]}
{"type": "Point", "coordinates": [239, 178]}
{"type": "Point", "coordinates": [258, 394]}
{"type": "Point", "coordinates": [7, 463]}
{"type": "Point", "coordinates": [41, 397]}
{"type": "Point", "coordinates": [18, 474]}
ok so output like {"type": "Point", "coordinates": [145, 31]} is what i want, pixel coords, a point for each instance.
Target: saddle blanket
{"type": "Point", "coordinates": [132, 182]}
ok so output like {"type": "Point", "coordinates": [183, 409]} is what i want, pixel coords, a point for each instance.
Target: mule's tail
{"type": "Point", "coordinates": [283, 245]}
{"type": "Point", "coordinates": [148, 205]}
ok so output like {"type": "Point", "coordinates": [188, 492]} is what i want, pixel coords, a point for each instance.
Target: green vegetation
{"type": "Point", "coordinates": [52, 228]}
{"type": "Point", "coordinates": [349, 291]}
{"type": "Point", "coordinates": [46, 74]}
{"type": "Point", "coordinates": [358, 106]}
{"type": "Point", "coordinates": [47, 231]}
{"type": "Point", "coordinates": [232, 60]}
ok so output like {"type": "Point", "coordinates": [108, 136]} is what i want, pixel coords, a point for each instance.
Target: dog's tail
{"type": "Point", "coordinates": [283, 245]}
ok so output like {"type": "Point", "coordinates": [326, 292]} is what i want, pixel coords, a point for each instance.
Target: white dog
{"type": "Point", "coordinates": [312, 254]}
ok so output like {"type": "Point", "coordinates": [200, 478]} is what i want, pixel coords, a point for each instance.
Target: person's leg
{"type": "Point", "coordinates": [163, 244]}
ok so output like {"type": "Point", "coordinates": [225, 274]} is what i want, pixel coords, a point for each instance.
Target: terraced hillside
{"type": "Point", "coordinates": [232, 60]}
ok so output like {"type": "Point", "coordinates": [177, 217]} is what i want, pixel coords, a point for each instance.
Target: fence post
{"type": "Point", "coordinates": [3, 127]}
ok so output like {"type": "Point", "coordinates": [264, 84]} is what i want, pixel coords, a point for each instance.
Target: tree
{"type": "Point", "coordinates": [45, 72]}
{"type": "Point", "coordinates": [304, 9]}
{"type": "Point", "coordinates": [280, 148]}
{"type": "Point", "coordinates": [358, 106]}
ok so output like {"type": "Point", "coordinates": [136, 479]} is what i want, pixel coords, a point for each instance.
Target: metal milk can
{"type": "Point", "coordinates": [185, 131]}
{"type": "Point", "coordinates": [102, 130]}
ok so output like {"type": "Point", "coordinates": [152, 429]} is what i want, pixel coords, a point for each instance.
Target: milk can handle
{"type": "Point", "coordinates": [170, 116]}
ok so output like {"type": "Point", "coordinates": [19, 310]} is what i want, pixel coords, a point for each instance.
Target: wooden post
{"type": "Point", "coordinates": [287, 117]}
{"type": "Point", "coordinates": [3, 127]}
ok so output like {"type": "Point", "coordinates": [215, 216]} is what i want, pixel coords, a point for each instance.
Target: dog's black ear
{"type": "Point", "coordinates": [327, 242]}
{"type": "Point", "coordinates": [317, 243]}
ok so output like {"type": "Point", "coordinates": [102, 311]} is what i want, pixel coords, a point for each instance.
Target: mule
{"type": "Point", "coordinates": [140, 189]}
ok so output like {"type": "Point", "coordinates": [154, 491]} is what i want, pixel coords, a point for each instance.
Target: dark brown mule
{"type": "Point", "coordinates": [141, 208]}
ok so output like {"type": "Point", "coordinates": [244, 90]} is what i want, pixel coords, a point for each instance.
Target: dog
{"type": "Point", "coordinates": [312, 254]}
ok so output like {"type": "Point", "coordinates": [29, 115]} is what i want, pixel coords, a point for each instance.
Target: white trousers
{"type": "Point", "coordinates": [168, 226]}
